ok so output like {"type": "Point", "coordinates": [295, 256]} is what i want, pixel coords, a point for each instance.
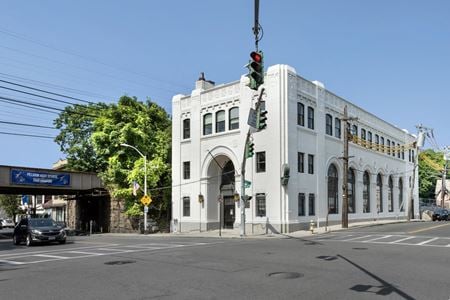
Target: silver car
{"type": "Point", "coordinates": [7, 223]}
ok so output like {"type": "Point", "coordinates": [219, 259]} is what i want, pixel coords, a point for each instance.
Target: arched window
{"type": "Point", "coordinates": [400, 195]}
{"type": "Point", "coordinates": [332, 190]}
{"type": "Point", "coordinates": [228, 174]}
{"type": "Point", "coordinates": [355, 130]}
{"type": "Point", "coordinates": [207, 124]}
{"type": "Point", "coordinates": [379, 193]}
{"type": "Point", "coordinates": [233, 114]}
{"type": "Point", "coordinates": [220, 121]}
{"type": "Point", "coordinates": [366, 192]}
{"type": "Point", "coordinates": [351, 190]}
{"type": "Point", "coordinates": [390, 194]}
{"type": "Point", "coordinates": [329, 124]}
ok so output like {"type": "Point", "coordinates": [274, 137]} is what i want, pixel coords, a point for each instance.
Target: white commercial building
{"type": "Point", "coordinates": [304, 136]}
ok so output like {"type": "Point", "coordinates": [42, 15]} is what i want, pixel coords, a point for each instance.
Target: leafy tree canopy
{"type": "Point", "coordinates": [145, 126]}
{"type": "Point", "coordinates": [10, 204]}
{"type": "Point", "coordinates": [431, 164]}
{"type": "Point", "coordinates": [76, 127]}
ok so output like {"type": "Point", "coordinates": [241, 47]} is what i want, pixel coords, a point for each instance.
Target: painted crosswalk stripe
{"type": "Point", "coordinates": [83, 252]}
{"type": "Point", "coordinates": [378, 238]}
{"type": "Point", "coordinates": [11, 262]}
{"type": "Point", "coordinates": [357, 238]}
{"type": "Point", "coordinates": [427, 241]}
{"type": "Point", "coordinates": [401, 240]}
{"type": "Point", "coordinates": [51, 256]}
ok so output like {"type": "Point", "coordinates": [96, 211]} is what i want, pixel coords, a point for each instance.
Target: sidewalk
{"type": "Point", "coordinates": [234, 233]}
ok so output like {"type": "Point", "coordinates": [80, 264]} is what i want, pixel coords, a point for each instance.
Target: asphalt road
{"type": "Point", "coordinates": [398, 261]}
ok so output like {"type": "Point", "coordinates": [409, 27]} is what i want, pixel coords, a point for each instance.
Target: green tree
{"type": "Point", "coordinates": [431, 163]}
{"type": "Point", "coordinates": [10, 204]}
{"type": "Point", "coordinates": [76, 127]}
{"type": "Point", "coordinates": [145, 126]}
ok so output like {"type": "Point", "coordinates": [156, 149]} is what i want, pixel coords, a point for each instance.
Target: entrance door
{"type": "Point", "coordinates": [229, 212]}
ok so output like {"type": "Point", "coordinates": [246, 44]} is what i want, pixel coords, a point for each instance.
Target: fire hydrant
{"type": "Point", "coordinates": [312, 224]}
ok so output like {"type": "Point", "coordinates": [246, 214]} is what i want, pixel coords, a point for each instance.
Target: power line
{"type": "Point", "coordinates": [44, 91]}
{"type": "Point", "coordinates": [28, 135]}
{"type": "Point", "coordinates": [37, 95]}
{"type": "Point", "coordinates": [25, 124]}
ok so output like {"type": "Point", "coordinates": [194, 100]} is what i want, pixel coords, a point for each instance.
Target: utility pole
{"type": "Point", "coordinates": [444, 177]}
{"type": "Point", "coordinates": [345, 158]}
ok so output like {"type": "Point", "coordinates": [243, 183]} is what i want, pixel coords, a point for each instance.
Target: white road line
{"type": "Point", "coordinates": [356, 238]}
{"type": "Point", "coordinates": [401, 240]}
{"type": "Point", "coordinates": [51, 256]}
{"type": "Point", "coordinates": [378, 238]}
{"type": "Point", "coordinates": [86, 253]}
{"type": "Point", "coordinates": [11, 262]}
{"type": "Point", "coordinates": [113, 250]}
{"type": "Point", "coordinates": [57, 250]}
{"type": "Point", "coordinates": [427, 241]}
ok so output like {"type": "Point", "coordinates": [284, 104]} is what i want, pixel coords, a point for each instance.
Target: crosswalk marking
{"type": "Point", "coordinates": [426, 242]}
{"type": "Point", "coordinates": [376, 239]}
{"type": "Point", "coordinates": [356, 238]}
{"type": "Point", "coordinates": [51, 256]}
{"type": "Point", "coordinates": [401, 240]}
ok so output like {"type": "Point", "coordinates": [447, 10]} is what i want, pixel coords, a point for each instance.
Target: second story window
{"type": "Point", "coordinates": [260, 162]}
{"type": "Point", "coordinates": [337, 128]}
{"type": "Point", "coordinates": [369, 138]}
{"type": "Point", "coordinates": [363, 134]}
{"type": "Point", "coordinates": [186, 128]}
{"type": "Point", "coordinates": [301, 162]}
{"type": "Point", "coordinates": [388, 144]}
{"type": "Point", "coordinates": [355, 130]}
{"type": "Point", "coordinates": [186, 170]}
{"type": "Point", "coordinates": [233, 122]}
{"type": "Point", "coordinates": [300, 114]}
{"type": "Point", "coordinates": [382, 144]}
{"type": "Point", "coordinates": [310, 164]}
{"type": "Point", "coordinates": [207, 124]}
{"type": "Point", "coordinates": [220, 121]}
{"type": "Point", "coordinates": [328, 124]}
{"type": "Point", "coordinates": [310, 117]}
{"type": "Point", "coordinates": [377, 142]}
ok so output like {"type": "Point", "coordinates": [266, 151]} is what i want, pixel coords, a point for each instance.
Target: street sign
{"type": "Point", "coordinates": [252, 118]}
{"type": "Point", "coordinates": [24, 199]}
{"type": "Point", "coordinates": [145, 209]}
{"type": "Point", "coordinates": [247, 184]}
{"type": "Point", "coordinates": [146, 200]}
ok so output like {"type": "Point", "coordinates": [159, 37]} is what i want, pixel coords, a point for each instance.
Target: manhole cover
{"type": "Point", "coordinates": [286, 275]}
{"type": "Point", "coordinates": [120, 262]}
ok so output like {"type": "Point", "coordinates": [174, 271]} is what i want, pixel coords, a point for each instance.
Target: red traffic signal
{"type": "Point", "coordinates": [256, 56]}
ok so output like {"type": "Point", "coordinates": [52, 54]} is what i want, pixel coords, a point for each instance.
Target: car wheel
{"type": "Point", "coordinates": [29, 241]}
{"type": "Point", "coordinates": [63, 241]}
{"type": "Point", "coordinates": [15, 240]}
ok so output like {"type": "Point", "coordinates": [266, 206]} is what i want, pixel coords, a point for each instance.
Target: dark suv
{"type": "Point", "coordinates": [33, 230]}
{"type": "Point", "coordinates": [440, 214]}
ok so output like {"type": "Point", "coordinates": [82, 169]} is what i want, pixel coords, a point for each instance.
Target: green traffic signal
{"type": "Point", "coordinates": [261, 119]}
{"type": "Point", "coordinates": [256, 70]}
{"type": "Point", "coordinates": [249, 150]}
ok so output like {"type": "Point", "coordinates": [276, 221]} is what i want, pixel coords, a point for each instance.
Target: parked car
{"type": "Point", "coordinates": [440, 214]}
{"type": "Point", "coordinates": [36, 230]}
{"type": "Point", "coordinates": [7, 223]}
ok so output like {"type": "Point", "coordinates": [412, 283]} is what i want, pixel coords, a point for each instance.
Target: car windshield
{"type": "Point", "coordinates": [41, 222]}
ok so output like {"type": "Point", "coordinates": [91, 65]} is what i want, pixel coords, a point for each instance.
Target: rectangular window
{"type": "Point", "coordinates": [409, 155]}
{"type": "Point", "coordinates": [186, 207]}
{"type": "Point", "coordinates": [186, 128]}
{"type": "Point", "coordinates": [328, 124]}
{"type": "Point", "coordinates": [355, 130]}
{"type": "Point", "coordinates": [382, 144]}
{"type": "Point", "coordinates": [260, 205]}
{"type": "Point", "coordinates": [377, 142]}
{"type": "Point", "coordinates": [310, 117]}
{"type": "Point", "coordinates": [300, 114]}
{"type": "Point", "coordinates": [310, 164]}
{"type": "Point", "coordinates": [301, 204]}
{"type": "Point", "coordinates": [337, 128]}
{"type": "Point", "coordinates": [363, 134]}
{"type": "Point", "coordinates": [398, 150]}
{"type": "Point", "coordinates": [369, 138]}
{"type": "Point", "coordinates": [413, 156]}
{"type": "Point", "coordinates": [260, 162]}
{"type": "Point", "coordinates": [220, 121]}
{"type": "Point", "coordinates": [312, 204]}
{"type": "Point", "coordinates": [186, 170]}
{"type": "Point", "coordinates": [403, 152]}
{"type": "Point", "coordinates": [301, 162]}
{"type": "Point", "coordinates": [388, 144]}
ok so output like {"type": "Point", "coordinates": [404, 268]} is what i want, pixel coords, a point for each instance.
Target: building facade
{"type": "Point", "coordinates": [303, 139]}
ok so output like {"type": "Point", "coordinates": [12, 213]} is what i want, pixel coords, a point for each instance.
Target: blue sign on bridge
{"type": "Point", "coordinates": [39, 178]}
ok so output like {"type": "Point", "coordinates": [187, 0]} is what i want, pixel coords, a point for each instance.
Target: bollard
{"type": "Point", "coordinates": [312, 224]}
{"type": "Point", "coordinates": [90, 227]}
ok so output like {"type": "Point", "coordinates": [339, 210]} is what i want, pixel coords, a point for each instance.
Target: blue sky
{"type": "Point", "coordinates": [389, 57]}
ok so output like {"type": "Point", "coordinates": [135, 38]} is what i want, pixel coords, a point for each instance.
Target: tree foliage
{"type": "Point", "coordinates": [146, 126]}
{"type": "Point", "coordinates": [429, 160]}
{"type": "Point", "coordinates": [10, 204]}
{"type": "Point", "coordinates": [76, 127]}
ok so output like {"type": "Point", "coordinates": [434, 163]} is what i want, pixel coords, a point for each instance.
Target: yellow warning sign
{"type": "Point", "coordinates": [146, 200]}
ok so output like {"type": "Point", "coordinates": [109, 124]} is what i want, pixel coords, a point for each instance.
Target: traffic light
{"type": "Point", "coordinates": [261, 119]}
{"type": "Point", "coordinates": [256, 70]}
{"type": "Point", "coordinates": [249, 149]}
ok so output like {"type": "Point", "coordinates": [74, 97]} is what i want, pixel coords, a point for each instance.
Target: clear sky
{"type": "Point", "coordinates": [391, 58]}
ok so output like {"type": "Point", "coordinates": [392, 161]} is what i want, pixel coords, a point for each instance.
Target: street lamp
{"type": "Point", "coordinates": [145, 181]}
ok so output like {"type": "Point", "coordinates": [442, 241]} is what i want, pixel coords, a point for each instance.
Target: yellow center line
{"type": "Point", "coordinates": [429, 228]}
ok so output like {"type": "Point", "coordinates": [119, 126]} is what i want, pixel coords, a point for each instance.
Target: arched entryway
{"type": "Point", "coordinates": [221, 188]}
